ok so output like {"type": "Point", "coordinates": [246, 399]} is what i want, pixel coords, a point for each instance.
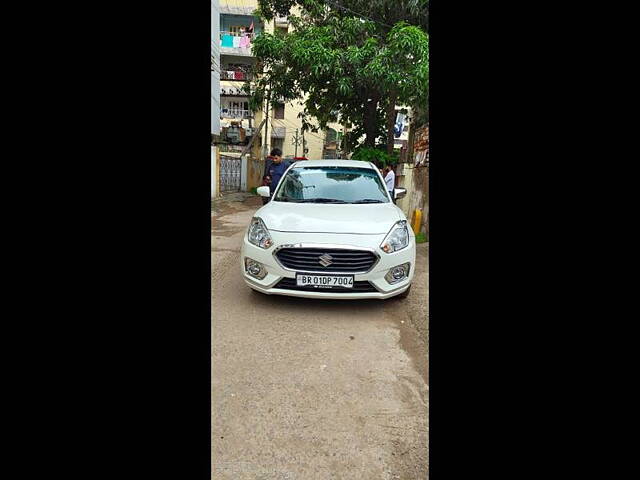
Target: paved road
{"type": "Point", "coordinates": [307, 389]}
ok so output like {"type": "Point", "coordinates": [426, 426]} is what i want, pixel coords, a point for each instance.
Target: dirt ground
{"type": "Point", "coordinates": [310, 389]}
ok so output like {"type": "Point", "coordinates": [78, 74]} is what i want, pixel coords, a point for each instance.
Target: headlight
{"type": "Point", "coordinates": [397, 238]}
{"type": "Point", "coordinates": [258, 234]}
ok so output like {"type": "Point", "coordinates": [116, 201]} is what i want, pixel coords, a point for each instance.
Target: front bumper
{"type": "Point", "coordinates": [276, 272]}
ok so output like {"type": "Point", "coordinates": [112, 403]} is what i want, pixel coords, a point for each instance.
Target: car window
{"type": "Point", "coordinates": [332, 185]}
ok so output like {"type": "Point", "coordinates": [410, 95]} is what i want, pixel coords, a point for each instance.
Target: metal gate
{"type": "Point", "coordinates": [230, 170]}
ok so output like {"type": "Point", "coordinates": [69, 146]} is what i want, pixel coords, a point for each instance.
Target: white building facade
{"type": "Point", "coordinates": [215, 92]}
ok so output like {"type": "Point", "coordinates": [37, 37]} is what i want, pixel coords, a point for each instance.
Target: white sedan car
{"type": "Point", "coordinates": [330, 230]}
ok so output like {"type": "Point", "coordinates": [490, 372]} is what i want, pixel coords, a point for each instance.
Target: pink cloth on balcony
{"type": "Point", "coordinates": [244, 42]}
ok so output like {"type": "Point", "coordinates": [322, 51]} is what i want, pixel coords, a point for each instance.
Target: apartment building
{"type": "Point", "coordinates": [401, 131]}
{"type": "Point", "coordinates": [238, 29]}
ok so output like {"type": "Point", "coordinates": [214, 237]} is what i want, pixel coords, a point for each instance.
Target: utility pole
{"type": "Point", "coordinates": [296, 141]}
{"type": "Point", "coordinates": [324, 143]}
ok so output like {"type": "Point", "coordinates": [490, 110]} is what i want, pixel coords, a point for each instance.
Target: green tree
{"type": "Point", "coordinates": [414, 12]}
{"type": "Point", "coordinates": [349, 67]}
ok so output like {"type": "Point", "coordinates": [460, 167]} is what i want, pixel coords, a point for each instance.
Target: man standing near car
{"type": "Point", "coordinates": [390, 180]}
{"type": "Point", "coordinates": [274, 168]}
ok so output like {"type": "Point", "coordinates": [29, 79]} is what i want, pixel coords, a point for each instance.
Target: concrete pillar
{"type": "Point", "coordinates": [244, 165]}
{"type": "Point", "coordinates": [214, 172]}
{"type": "Point", "coordinates": [215, 71]}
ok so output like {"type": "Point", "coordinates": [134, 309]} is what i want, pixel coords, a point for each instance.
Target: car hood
{"type": "Point", "coordinates": [370, 219]}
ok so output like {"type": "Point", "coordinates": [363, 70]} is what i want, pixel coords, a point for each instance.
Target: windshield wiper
{"type": "Point", "coordinates": [321, 200]}
{"type": "Point", "coordinates": [368, 200]}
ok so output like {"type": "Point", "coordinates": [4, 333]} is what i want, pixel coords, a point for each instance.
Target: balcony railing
{"type": "Point", "coordinates": [235, 113]}
{"type": "Point", "coordinates": [236, 43]}
{"type": "Point", "coordinates": [237, 91]}
{"type": "Point", "coordinates": [235, 75]}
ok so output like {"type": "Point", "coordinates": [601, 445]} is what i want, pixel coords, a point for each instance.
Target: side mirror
{"type": "Point", "coordinates": [264, 191]}
{"type": "Point", "coordinates": [399, 193]}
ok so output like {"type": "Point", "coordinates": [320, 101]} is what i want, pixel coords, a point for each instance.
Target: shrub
{"type": "Point", "coordinates": [374, 155]}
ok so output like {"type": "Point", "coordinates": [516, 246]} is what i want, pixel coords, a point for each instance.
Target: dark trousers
{"type": "Point", "coordinates": [392, 197]}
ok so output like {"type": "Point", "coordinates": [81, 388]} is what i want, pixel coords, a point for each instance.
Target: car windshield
{"type": "Point", "coordinates": [332, 185]}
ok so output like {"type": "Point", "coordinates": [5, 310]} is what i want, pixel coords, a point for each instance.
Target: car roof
{"type": "Point", "coordinates": [333, 163]}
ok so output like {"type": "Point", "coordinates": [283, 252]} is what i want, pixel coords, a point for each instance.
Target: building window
{"type": "Point", "coordinates": [332, 135]}
{"type": "Point", "coordinates": [277, 143]}
{"type": "Point", "coordinates": [278, 111]}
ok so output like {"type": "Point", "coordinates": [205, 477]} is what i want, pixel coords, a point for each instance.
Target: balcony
{"type": "Point", "coordinates": [239, 91]}
{"type": "Point", "coordinates": [236, 74]}
{"type": "Point", "coordinates": [238, 7]}
{"type": "Point", "coordinates": [231, 112]}
{"type": "Point", "coordinates": [233, 43]}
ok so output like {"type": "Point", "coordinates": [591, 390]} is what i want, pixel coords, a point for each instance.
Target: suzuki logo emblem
{"type": "Point", "coordinates": [325, 259]}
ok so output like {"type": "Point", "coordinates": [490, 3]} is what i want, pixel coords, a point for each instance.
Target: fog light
{"type": "Point", "coordinates": [255, 269]}
{"type": "Point", "coordinates": [397, 274]}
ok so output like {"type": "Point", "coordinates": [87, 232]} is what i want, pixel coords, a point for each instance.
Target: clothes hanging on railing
{"type": "Point", "coordinates": [244, 41]}
{"type": "Point", "coordinates": [227, 40]}
{"type": "Point", "coordinates": [236, 42]}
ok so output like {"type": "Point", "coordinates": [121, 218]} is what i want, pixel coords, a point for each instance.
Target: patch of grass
{"type": "Point", "coordinates": [421, 238]}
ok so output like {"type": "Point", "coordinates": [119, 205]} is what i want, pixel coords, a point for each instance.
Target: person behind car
{"type": "Point", "coordinates": [390, 180]}
{"type": "Point", "coordinates": [274, 168]}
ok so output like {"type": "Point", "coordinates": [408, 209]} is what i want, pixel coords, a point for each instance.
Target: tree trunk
{"type": "Point", "coordinates": [391, 121]}
{"type": "Point", "coordinates": [370, 122]}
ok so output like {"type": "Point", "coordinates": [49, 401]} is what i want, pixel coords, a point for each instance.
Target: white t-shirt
{"type": "Point", "coordinates": [390, 180]}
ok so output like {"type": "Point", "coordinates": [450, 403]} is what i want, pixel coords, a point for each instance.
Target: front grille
{"type": "Point", "coordinates": [308, 259]}
{"type": "Point", "coordinates": [358, 287]}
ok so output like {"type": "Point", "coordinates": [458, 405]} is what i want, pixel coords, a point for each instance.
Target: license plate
{"type": "Point", "coordinates": [324, 281]}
